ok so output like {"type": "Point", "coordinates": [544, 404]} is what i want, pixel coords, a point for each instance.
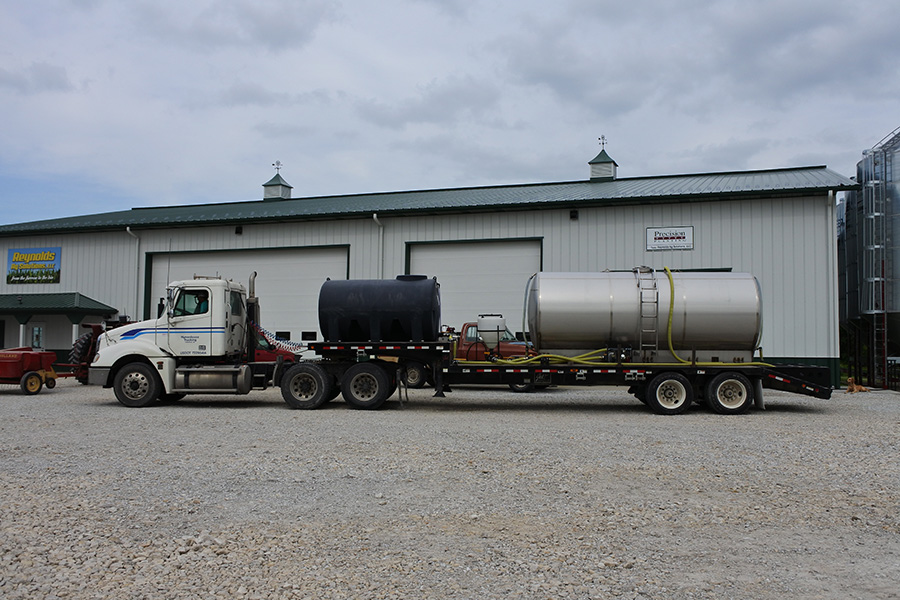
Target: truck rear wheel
{"type": "Point", "coordinates": [307, 386]}
{"type": "Point", "coordinates": [136, 385]}
{"type": "Point", "coordinates": [669, 394]}
{"type": "Point", "coordinates": [365, 385]}
{"type": "Point", "coordinates": [729, 393]}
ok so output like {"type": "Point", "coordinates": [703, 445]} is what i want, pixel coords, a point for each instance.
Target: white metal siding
{"type": "Point", "coordinates": [788, 243]}
{"type": "Point", "coordinates": [479, 277]}
{"type": "Point", "coordinates": [287, 283]}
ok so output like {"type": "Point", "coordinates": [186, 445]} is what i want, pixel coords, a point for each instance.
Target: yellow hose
{"type": "Point", "coordinates": [671, 312]}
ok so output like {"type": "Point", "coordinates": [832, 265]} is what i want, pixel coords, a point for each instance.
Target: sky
{"type": "Point", "coordinates": [108, 105]}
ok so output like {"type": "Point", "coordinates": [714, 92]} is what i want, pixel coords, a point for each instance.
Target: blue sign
{"type": "Point", "coordinates": [33, 265]}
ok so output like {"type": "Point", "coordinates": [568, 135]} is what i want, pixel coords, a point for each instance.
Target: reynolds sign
{"type": "Point", "coordinates": [670, 238]}
{"type": "Point", "coordinates": [33, 265]}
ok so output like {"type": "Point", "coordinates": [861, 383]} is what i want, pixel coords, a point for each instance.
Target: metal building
{"type": "Point", "coordinates": [869, 242]}
{"type": "Point", "coordinates": [482, 244]}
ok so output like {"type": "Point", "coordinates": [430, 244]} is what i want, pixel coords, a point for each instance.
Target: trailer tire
{"type": "Point", "coordinates": [306, 386]}
{"type": "Point", "coordinates": [415, 375]}
{"type": "Point", "coordinates": [522, 388]}
{"type": "Point", "coordinates": [669, 394]}
{"type": "Point", "coordinates": [365, 385]}
{"type": "Point", "coordinates": [136, 385]}
{"type": "Point", "coordinates": [335, 389]}
{"type": "Point", "coordinates": [729, 393]}
{"type": "Point", "coordinates": [31, 383]}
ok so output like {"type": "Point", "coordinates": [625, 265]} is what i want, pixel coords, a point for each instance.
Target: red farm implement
{"type": "Point", "coordinates": [28, 368]}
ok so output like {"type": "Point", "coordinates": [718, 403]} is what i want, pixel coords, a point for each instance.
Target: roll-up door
{"type": "Point", "coordinates": [479, 277]}
{"type": "Point", "coordinates": [287, 282]}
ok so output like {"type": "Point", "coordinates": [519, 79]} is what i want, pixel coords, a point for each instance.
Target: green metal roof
{"type": "Point", "coordinates": [602, 158]}
{"type": "Point", "coordinates": [672, 188]}
{"type": "Point", "coordinates": [277, 180]}
{"type": "Point", "coordinates": [71, 304]}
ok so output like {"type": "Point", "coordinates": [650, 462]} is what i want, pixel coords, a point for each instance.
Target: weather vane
{"type": "Point", "coordinates": [602, 139]}
{"type": "Point", "coordinates": [277, 164]}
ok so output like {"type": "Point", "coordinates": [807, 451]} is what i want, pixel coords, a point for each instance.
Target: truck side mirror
{"type": "Point", "coordinates": [170, 302]}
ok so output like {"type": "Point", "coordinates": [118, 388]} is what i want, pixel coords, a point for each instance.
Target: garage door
{"type": "Point", "coordinates": [479, 277]}
{"type": "Point", "coordinates": [287, 282]}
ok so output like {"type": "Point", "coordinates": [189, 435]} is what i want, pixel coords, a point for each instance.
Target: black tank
{"type": "Point", "coordinates": [406, 309]}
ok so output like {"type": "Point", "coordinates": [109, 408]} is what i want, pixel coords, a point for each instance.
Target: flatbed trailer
{"type": "Point", "coordinates": [667, 388]}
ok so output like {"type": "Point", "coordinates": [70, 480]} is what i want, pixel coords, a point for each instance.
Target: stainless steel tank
{"type": "Point", "coordinates": [712, 311]}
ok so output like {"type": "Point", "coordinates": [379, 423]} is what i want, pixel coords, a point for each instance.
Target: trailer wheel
{"type": "Point", "coordinates": [669, 394]}
{"type": "Point", "coordinates": [416, 375]}
{"type": "Point", "coordinates": [365, 385]}
{"type": "Point", "coordinates": [136, 385]}
{"type": "Point", "coordinates": [522, 388]}
{"type": "Point", "coordinates": [729, 393]}
{"type": "Point", "coordinates": [31, 383]}
{"type": "Point", "coordinates": [306, 386]}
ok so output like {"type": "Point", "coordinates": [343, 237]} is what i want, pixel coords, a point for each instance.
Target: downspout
{"type": "Point", "coordinates": [137, 274]}
{"type": "Point", "coordinates": [380, 245]}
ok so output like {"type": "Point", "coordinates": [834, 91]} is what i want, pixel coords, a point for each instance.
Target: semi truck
{"type": "Point", "coordinates": [671, 338]}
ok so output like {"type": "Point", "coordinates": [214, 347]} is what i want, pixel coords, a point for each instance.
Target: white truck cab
{"type": "Point", "coordinates": [195, 346]}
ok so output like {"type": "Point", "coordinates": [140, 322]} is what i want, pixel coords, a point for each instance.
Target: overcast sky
{"type": "Point", "coordinates": [108, 105]}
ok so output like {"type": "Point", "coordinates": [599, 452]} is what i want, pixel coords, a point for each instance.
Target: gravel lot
{"type": "Point", "coordinates": [573, 493]}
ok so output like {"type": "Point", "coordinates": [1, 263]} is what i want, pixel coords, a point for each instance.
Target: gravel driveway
{"type": "Point", "coordinates": [571, 493]}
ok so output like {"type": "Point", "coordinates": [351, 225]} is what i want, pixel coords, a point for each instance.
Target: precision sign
{"type": "Point", "coordinates": [670, 238]}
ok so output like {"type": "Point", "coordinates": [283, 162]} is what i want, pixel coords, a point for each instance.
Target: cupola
{"type": "Point", "coordinates": [277, 188]}
{"type": "Point", "coordinates": [603, 168]}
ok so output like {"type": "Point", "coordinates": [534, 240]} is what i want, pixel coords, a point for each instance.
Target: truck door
{"type": "Point", "coordinates": [190, 323]}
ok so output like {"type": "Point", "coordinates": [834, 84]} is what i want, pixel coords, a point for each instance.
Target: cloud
{"type": "Point", "coordinates": [37, 78]}
{"type": "Point", "coordinates": [139, 101]}
{"type": "Point", "coordinates": [441, 102]}
{"type": "Point", "coordinates": [276, 25]}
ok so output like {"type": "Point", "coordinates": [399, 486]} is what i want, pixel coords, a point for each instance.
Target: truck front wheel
{"type": "Point", "coordinates": [307, 386]}
{"type": "Point", "coordinates": [669, 394]}
{"type": "Point", "coordinates": [365, 385]}
{"type": "Point", "coordinates": [136, 385]}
